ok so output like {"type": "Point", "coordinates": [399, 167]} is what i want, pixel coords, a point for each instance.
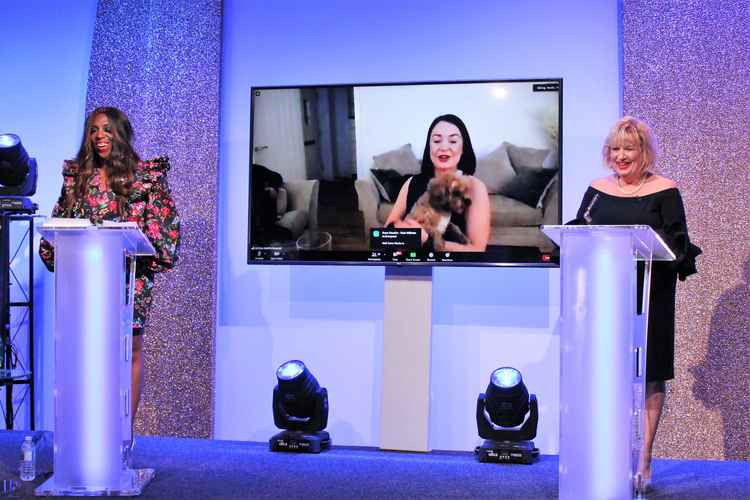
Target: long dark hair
{"type": "Point", "coordinates": [119, 166]}
{"type": "Point", "coordinates": [468, 162]}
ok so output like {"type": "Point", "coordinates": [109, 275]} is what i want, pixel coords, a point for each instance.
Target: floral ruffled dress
{"type": "Point", "coordinates": [149, 204]}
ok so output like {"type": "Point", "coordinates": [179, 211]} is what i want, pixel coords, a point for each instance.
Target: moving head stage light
{"type": "Point", "coordinates": [17, 175]}
{"type": "Point", "coordinates": [502, 420]}
{"type": "Point", "coordinates": [300, 406]}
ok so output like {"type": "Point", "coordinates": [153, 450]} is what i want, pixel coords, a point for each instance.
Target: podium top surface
{"type": "Point", "coordinates": [134, 241]}
{"type": "Point", "coordinates": [647, 242]}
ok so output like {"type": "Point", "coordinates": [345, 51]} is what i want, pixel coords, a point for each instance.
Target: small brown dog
{"type": "Point", "coordinates": [444, 195]}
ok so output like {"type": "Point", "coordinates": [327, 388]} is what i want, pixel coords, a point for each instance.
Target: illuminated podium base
{"type": "Point", "coordinates": [132, 483]}
{"type": "Point", "coordinates": [93, 326]}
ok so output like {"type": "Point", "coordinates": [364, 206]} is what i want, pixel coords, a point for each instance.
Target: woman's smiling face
{"type": "Point", "coordinates": [101, 135]}
{"type": "Point", "coordinates": [446, 147]}
{"type": "Point", "coordinates": [625, 158]}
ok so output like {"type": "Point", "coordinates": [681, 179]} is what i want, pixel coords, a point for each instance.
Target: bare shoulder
{"type": "Point", "coordinates": [661, 183]}
{"type": "Point", "coordinates": [656, 184]}
{"type": "Point", "coordinates": [405, 186]}
{"type": "Point", "coordinates": [404, 191]}
{"type": "Point", "coordinates": [606, 184]}
{"type": "Point", "coordinates": [478, 188]}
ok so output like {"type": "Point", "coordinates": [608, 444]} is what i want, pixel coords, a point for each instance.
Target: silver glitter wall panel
{"type": "Point", "coordinates": [159, 61]}
{"type": "Point", "coordinates": [687, 73]}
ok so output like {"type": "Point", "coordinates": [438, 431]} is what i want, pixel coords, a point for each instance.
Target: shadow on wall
{"type": "Point", "coordinates": [542, 378]}
{"type": "Point", "coordinates": [244, 367]}
{"type": "Point", "coordinates": [721, 380]}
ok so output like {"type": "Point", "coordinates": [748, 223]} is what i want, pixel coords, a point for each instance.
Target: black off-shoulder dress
{"type": "Point", "coordinates": [664, 212]}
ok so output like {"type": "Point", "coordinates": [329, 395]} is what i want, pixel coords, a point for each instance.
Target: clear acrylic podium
{"type": "Point", "coordinates": [94, 286]}
{"type": "Point", "coordinates": [602, 356]}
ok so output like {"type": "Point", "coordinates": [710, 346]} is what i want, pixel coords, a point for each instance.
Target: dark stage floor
{"type": "Point", "coordinates": [200, 469]}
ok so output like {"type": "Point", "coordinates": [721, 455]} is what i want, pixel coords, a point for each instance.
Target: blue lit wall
{"type": "Point", "coordinates": [44, 62]}
{"type": "Point", "coordinates": [332, 316]}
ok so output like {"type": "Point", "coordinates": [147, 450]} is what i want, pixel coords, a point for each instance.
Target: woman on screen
{"type": "Point", "coordinates": [448, 157]}
{"type": "Point", "coordinates": [108, 181]}
{"type": "Point", "coordinates": [633, 194]}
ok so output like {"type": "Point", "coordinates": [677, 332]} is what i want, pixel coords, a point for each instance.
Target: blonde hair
{"type": "Point", "coordinates": [629, 127]}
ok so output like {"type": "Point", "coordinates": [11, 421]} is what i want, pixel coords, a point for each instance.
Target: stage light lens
{"type": "Point", "coordinates": [297, 387]}
{"type": "Point", "coordinates": [507, 397]}
{"type": "Point", "coordinates": [506, 377]}
{"type": "Point", "coordinates": [290, 370]}
{"type": "Point", "coordinates": [9, 140]}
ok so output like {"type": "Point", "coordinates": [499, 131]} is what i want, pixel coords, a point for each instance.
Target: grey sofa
{"type": "Point", "coordinates": [297, 206]}
{"type": "Point", "coordinates": [513, 223]}
{"type": "Point", "coordinates": [507, 168]}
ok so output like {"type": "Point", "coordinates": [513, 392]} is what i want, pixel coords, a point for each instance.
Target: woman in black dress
{"type": "Point", "coordinates": [633, 194]}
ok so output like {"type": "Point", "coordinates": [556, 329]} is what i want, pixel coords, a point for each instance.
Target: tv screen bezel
{"type": "Point", "coordinates": [310, 257]}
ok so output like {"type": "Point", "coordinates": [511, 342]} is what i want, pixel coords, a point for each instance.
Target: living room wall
{"type": "Point", "coordinates": [389, 117]}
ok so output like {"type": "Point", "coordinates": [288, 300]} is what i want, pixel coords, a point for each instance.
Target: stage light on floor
{"type": "Point", "coordinates": [507, 417]}
{"type": "Point", "coordinates": [300, 406]}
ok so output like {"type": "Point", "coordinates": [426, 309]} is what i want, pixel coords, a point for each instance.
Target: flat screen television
{"type": "Point", "coordinates": [355, 174]}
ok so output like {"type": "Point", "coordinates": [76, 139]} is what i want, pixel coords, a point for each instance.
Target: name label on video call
{"type": "Point", "coordinates": [546, 87]}
{"type": "Point", "coordinates": [395, 239]}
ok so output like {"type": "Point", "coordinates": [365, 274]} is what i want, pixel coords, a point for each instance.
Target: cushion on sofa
{"type": "Point", "coordinates": [495, 169]}
{"type": "Point", "coordinates": [402, 160]}
{"type": "Point", "coordinates": [389, 183]}
{"type": "Point", "coordinates": [528, 186]}
{"type": "Point", "coordinates": [523, 158]}
{"type": "Point", "coordinates": [506, 211]}
{"type": "Point", "coordinates": [521, 237]}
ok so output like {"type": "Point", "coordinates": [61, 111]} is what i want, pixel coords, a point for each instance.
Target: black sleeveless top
{"type": "Point", "coordinates": [417, 187]}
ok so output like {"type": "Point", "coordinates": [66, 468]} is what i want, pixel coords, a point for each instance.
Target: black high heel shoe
{"type": "Point", "coordinates": [643, 484]}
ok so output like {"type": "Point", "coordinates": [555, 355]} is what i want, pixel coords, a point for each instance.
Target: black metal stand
{"type": "Point", "coordinates": [15, 370]}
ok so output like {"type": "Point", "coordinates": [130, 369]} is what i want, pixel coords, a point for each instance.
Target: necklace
{"type": "Point", "coordinates": [622, 189]}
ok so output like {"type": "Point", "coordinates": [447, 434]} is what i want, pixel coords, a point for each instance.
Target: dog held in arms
{"type": "Point", "coordinates": [446, 194]}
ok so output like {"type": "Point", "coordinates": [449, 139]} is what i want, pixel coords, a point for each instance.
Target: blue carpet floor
{"type": "Point", "coordinates": [201, 469]}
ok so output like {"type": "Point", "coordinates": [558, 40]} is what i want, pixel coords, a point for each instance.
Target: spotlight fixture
{"type": "Point", "coordinates": [300, 406]}
{"type": "Point", "coordinates": [17, 175]}
{"type": "Point", "coordinates": [503, 422]}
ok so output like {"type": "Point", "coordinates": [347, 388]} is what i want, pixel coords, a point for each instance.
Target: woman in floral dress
{"type": "Point", "coordinates": [108, 181]}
